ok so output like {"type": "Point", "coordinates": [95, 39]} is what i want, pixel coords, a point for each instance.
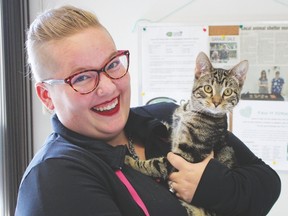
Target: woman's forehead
{"type": "Point", "coordinates": [88, 49]}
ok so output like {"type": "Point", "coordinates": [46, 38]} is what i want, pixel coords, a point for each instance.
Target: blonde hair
{"type": "Point", "coordinates": [55, 24]}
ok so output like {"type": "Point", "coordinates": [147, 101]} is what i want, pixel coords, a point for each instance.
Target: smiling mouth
{"type": "Point", "coordinates": [108, 108]}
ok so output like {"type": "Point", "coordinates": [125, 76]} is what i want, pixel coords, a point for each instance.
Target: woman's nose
{"type": "Point", "coordinates": [105, 86]}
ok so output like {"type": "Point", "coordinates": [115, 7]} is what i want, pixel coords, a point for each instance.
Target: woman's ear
{"type": "Point", "coordinates": [43, 94]}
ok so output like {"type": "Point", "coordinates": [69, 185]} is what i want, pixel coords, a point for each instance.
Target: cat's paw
{"type": "Point", "coordinates": [196, 211]}
{"type": "Point", "coordinates": [129, 161]}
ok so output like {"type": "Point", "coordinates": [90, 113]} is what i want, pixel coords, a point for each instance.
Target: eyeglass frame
{"type": "Point", "coordinates": [68, 79]}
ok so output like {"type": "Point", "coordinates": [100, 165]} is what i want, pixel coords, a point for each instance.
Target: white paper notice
{"type": "Point", "coordinates": [168, 56]}
{"type": "Point", "coordinates": [263, 127]}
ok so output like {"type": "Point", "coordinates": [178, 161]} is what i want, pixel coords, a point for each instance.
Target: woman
{"type": "Point", "coordinates": [82, 77]}
{"type": "Point", "coordinates": [263, 83]}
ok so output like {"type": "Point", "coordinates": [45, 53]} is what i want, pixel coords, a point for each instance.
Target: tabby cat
{"type": "Point", "coordinates": [200, 125]}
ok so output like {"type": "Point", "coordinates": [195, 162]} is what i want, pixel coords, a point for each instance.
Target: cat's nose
{"type": "Point", "coordinates": [216, 101]}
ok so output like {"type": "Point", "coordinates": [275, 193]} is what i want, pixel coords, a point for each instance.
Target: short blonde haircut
{"type": "Point", "coordinates": [55, 24]}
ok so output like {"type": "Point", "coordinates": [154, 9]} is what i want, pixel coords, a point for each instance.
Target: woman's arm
{"type": "Point", "coordinates": [251, 188]}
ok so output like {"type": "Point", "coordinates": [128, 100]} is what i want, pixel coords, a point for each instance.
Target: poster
{"type": "Point", "coordinates": [263, 127]}
{"type": "Point", "coordinates": [261, 118]}
{"type": "Point", "coordinates": [224, 46]}
{"type": "Point", "coordinates": [266, 49]}
{"type": "Point", "coordinates": [168, 56]}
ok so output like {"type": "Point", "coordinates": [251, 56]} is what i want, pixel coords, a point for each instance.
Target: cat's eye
{"type": "Point", "coordinates": [228, 92]}
{"type": "Point", "coordinates": [208, 89]}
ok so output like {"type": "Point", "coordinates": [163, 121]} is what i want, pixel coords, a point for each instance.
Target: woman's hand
{"type": "Point", "coordinates": [185, 181]}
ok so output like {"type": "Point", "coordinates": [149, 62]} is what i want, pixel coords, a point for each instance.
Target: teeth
{"type": "Point", "coordinates": [109, 107]}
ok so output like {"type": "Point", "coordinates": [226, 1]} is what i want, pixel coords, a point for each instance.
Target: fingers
{"type": "Point", "coordinates": [210, 156]}
{"type": "Point", "coordinates": [184, 193]}
{"type": "Point", "coordinates": [185, 181]}
{"type": "Point", "coordinates": [177, 161]}
{"type": "Point", "coordinates": [180, 163]}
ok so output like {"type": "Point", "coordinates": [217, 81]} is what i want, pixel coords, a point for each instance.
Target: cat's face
{"type": "Point", "coordinates": [216, 93]}
{"type": "Point", "coordinates": [217, 90]}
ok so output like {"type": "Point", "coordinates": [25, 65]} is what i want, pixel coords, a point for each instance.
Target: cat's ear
{"type": "Point", "coordinates": [240, 71]}
{"type": "Point", "coordinates": [203, 65]}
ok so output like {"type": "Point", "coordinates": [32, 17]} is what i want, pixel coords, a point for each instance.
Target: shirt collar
{"type": "Point", "coordinates": [114, 156]}
{"type": "Point", "coordinates": [139, 125]}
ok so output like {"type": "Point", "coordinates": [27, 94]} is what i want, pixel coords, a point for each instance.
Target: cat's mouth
{"type": "Point", "coordinates": [219, 110]}
{"type": "Point", "coordinates": [210, 109]}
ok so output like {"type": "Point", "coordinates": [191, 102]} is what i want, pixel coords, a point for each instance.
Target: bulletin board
{"type": "Point", "coordinates": [260, 120]}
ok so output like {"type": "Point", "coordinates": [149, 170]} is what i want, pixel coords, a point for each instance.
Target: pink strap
{"type": "Point", "coordinates": [132, 191]}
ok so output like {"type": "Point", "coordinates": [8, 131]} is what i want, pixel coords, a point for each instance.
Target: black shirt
{"type": "Point", "coordinates": [74, 175]}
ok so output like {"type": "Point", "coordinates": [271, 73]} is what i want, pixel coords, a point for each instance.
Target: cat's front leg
{"type": "Point", "coordinates": [156, 167]}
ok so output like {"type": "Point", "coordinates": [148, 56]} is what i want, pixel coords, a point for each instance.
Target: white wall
{"type": "Point", "coordinates": [121, 17]}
